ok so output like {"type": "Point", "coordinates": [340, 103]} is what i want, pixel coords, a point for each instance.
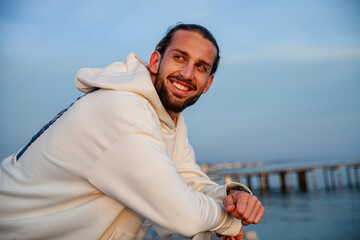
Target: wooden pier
{"type": "Point", "coordinates": [289, 179]}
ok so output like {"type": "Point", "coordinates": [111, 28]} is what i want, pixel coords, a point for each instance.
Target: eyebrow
{"type": "Point", "coordinates": [187, 55]}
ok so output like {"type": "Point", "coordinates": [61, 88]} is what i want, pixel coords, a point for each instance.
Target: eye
{"type": "Point", "coordinates": [177, 57]}
{"type": "Point", "coordinates": [202, 68]}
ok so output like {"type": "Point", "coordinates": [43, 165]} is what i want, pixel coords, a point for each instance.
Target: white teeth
{"type": "Point", "coordinates": [179, 86]}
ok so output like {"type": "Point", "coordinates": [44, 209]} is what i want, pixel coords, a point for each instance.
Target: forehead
{"type": "Point", "coordinates": [194, 44]}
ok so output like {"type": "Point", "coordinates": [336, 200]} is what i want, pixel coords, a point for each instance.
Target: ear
{"type": "Point", "coordinates": [154, 62]}
{"type": "Point", "coordinates": [208, 83]}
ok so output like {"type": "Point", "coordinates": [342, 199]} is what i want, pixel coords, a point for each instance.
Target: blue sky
{"type": "Point", "coordinates": [288, 84]}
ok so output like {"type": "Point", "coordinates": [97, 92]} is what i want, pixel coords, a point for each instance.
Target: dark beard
{"type": "Point", "coordinates": [173, 103]}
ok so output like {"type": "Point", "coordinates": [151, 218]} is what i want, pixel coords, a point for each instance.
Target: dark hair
{"type": "Point", "coordinates": [164, 43]}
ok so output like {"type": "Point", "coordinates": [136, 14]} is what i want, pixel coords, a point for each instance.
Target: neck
{"type": "Point", "coordinates": [173, 115]}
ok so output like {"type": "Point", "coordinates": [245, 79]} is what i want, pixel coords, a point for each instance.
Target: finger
{"type": "Point", "coordinates": [244, 222]}
{"type": "Point", "coordinates": [256, 212]}
{"type": "Point", "coordinates": [241, 235]}
{"type": "Point", "coordinates": [229, 203]}
{"type": "Point", "coordinates": [252, 210]}
{"type": "Point", "coordinates": [241, 204]}
{"type": "Point", "coordinates": [259, 215]}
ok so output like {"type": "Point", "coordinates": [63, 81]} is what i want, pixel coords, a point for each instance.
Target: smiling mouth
{"type": "Point", "coordinates": [181, 86]}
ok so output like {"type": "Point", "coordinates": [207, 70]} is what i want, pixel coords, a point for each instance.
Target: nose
{"type": "Point", "coordinates": [187, 72]}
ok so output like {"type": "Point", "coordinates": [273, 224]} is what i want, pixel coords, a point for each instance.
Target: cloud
{"type": "Point", "coordinates": [294, 53]}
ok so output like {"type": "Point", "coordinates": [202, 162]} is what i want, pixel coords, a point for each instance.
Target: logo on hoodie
{"type": "Point", "coordinates": [42, 130]}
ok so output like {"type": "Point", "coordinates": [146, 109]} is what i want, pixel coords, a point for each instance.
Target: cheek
{"type": "Point", "coordinates": [172, 66]}
{"type": "Point", "coordinates": [164, 70]}
{"type": "Point", "coordinates": [201, 80]}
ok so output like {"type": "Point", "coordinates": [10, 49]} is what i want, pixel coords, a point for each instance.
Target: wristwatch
{"type": "Point", "coordinates": [238, 188]}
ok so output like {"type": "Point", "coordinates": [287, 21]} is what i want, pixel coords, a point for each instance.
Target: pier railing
{"type": "Point", "coordinates": [290, 178]}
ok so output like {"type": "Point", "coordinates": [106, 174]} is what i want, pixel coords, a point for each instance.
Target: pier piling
{"type": "Point", "coordinates": [283, 182]}
{"type": "Point", "coordinates": [340, 183]}
{"type": "Point", "coordinates": [356, 173]}
{"type": "Point", "coordinates": [228, 179]}
{"type": "Point", "coordinates": [302, 181]}
{"type": "Point", "coordinates": [249, 181]}
{"type": "Point", "coordinates": [313, 176]}
{"type": "Point", "coordinates": [348, 177]}
{"type": "Point", "coordinates": [332, 175]}
{"type": "Point", "coordinates": [326, 178]}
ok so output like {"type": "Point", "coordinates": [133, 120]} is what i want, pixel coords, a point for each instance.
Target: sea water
{"type": "Point", "coordinates": [317, 215]}
{"type": "Point", "coordinates": [320, 215]}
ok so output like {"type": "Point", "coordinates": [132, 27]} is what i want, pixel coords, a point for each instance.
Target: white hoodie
{"type": "Point", "coordinates": [113, 150]}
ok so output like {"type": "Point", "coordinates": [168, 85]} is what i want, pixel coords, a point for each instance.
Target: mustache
{"type": "Point", "coordinates": [182, 79]}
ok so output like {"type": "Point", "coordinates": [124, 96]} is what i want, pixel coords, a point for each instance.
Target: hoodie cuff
{"type": "Point", "coordinates": [231, 227]}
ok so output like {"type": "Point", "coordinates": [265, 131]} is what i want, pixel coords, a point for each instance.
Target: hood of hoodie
{"type": "Point", "coordinates": [131, 76]}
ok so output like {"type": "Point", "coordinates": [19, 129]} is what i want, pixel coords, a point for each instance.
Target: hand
{"type": "Point", "coordinates": [244, 206]}
{"type": "Point", "coordinates": [240, 236]}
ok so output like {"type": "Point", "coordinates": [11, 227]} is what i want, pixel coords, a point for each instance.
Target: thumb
{"type": "Point", "coordinates": [229, 203]}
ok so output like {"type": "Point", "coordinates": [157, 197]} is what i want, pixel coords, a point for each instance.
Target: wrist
{"type": "Point", "coordinates": [237, 188]}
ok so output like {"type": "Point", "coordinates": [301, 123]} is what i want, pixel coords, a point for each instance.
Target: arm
{"type": "Point", "coordinates": [137, 172]}
{"type": "Point", "coordinates": [241, 204]}
{"type": "Point", "coordinates": [199, 181]}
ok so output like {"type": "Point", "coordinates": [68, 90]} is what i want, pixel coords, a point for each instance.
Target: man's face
{"type": "Point", "coordinates": [184, 70]}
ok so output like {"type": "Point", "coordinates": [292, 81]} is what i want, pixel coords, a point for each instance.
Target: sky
{"type": "Point", "coordinates": [287, 87]}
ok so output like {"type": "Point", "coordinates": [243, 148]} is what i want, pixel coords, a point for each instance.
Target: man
{"type": "Point", "coordinates": [120, 155]}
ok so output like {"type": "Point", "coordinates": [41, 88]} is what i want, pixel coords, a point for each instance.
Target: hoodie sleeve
{"type": "Point", "coordinates": [199, 181]}
{"type": "Point", "coordinates": [136, 171]}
